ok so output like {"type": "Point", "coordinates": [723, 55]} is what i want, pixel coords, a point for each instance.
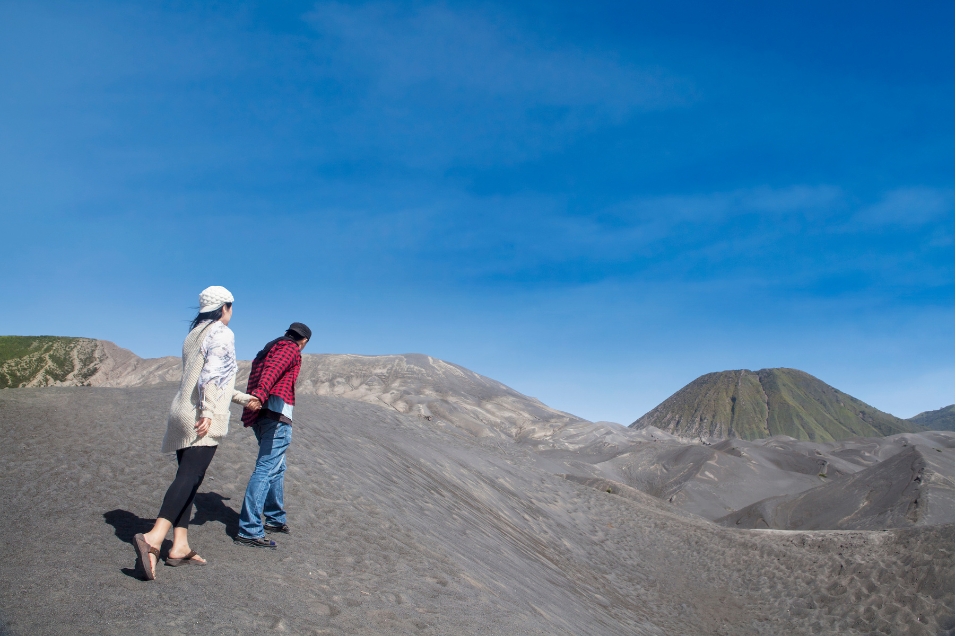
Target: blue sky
{"type": "Point", "coordinates": [591, 202]}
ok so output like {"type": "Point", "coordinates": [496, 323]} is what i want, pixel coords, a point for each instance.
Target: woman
{"type": "Point", "coordinates": [198, 419]}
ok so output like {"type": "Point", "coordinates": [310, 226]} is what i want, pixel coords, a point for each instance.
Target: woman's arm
{"type": "Point", "coordinates": [249, 401]}
{"type": "Point", "coordinates": [209, 396]}
{"type": "Point", "coordinates": [218, 349]}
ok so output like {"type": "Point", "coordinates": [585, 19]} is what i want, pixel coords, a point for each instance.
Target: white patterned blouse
{"type": "Point", "coordinates": [219, 350]}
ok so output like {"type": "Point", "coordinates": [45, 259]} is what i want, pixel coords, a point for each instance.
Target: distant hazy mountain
{"type": "Point", "coordinates": [752, 405]}
{"type": "Point", "coordinates": [942, 419]}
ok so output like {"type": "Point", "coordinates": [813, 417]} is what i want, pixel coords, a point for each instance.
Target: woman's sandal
{"type": "Point", "coordinates": [144, 550]}
{"type": "Point", "coordinates": [186, 560]}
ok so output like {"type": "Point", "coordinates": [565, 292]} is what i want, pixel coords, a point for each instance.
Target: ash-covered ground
{"type": "Point", "coordinates": [403, 525]}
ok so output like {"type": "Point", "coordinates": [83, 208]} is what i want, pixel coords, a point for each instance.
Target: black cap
{"type": "Point", "coordinates": [301, 330]}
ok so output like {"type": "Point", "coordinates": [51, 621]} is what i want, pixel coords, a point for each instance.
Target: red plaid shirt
{"type": "Point", "coordinates": [274, 375]}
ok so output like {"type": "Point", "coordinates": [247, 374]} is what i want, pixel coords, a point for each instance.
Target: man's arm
{"type": "Point", "coordinates": [277, 362]}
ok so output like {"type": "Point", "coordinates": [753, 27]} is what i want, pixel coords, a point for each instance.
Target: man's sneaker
{"type": "Point", "coordinates": [284, 529]}
{"type": "Point", "coordinates": [254, 543]}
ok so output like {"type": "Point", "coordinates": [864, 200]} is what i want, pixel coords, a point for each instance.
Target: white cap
{"type": "Point", "coordinates": [212, 298]}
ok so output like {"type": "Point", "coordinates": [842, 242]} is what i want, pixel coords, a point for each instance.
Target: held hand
{"type": "Point", "coordinates": [202, 426]}
{"type": "Point", "coordinates": [254, 404]}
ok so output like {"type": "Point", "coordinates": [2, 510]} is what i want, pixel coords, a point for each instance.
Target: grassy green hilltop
{"type": "Point", "coordinates": [46, 360]}
{"type": "Point", "coordinates": [752, 405]}
{"type": "Point", "coordinates": [943, 419]}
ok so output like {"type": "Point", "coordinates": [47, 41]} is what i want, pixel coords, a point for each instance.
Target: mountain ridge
{"type": "Point", "coordinates": [413, 383]}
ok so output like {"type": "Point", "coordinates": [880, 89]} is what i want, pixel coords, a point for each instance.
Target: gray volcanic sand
{"type": "Point", "coordinates": [915, 485]}
{"type": "Point", "coordinates": [759, 480]}
{"type": "Point", "coordinates": [406, 526]}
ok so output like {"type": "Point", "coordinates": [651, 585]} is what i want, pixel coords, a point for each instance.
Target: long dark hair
{"type": "Point", "coordinates": [215, 314]}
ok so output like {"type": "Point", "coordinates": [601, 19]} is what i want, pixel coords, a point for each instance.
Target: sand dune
{"type": "Point", "coordinates": [714, 481]}
{"type": "Point", "coordinates": [407, 526]}
{"type": "Point", "coordinates": [704, 480]}
{"type": "Point", "coordinates": [429, 499]}
{"type": "Point", "coordinates": [118, 367]}
{"type": "Point", "coordinates": [912, 488]}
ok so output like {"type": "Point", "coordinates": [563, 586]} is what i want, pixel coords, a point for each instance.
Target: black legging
{"type": "Point", "coordinates": [178, 502]}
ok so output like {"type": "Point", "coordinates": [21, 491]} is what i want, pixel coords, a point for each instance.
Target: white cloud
{"type": "Point", "coordinates": [436, 85]}
{"type": "Point", "coordinates": [908, 207]}
{"type": "Point", "coordinates": [474, 54]}
{"type": "Point", "coordinates": [718, 206]}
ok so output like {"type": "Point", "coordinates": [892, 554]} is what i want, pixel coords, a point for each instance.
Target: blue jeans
{"type": "Point", "coordinates": [264, 492]}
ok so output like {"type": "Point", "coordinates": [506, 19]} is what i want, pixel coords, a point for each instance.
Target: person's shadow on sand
{"type": "Point", "coordinates": [125, 526]}
{"type": "Point", "coordinates": [209, 506]}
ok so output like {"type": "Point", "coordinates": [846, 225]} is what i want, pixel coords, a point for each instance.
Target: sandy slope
{"type": "Point", "coordinates": [118, 367]}
{"type": "Point", "coordinates": [405, 525]}
{"type": "Point", "coordinates": [721, 479]}
{"type": "Point", "coordinates": [913, 487]}
{"type": "Point", "coordinates": [430, 388]}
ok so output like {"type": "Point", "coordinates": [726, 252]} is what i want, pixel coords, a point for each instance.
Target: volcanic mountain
{"type": "Point", "coordinates": [752, 405]}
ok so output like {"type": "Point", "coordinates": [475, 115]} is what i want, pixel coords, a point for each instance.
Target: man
{"type": "Point", "coordinates": [271, 380]}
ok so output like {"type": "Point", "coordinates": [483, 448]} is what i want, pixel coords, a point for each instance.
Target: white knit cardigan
{"type": "Point", "coordinates": [186, 408]}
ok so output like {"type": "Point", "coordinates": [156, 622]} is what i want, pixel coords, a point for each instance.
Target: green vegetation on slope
{"type": "Point", "coordinates": [750, 405]}
{"type": "Point", "coordinates": [45, 360]}
{"type": "Point", "coordinates": [943, 419]}
{"type": "Point", "coordinates": [749, 408]}
{"type": "Point", "coordinates": [804, 407]}
{"type": "Point", "coordinates": [727, 404]}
